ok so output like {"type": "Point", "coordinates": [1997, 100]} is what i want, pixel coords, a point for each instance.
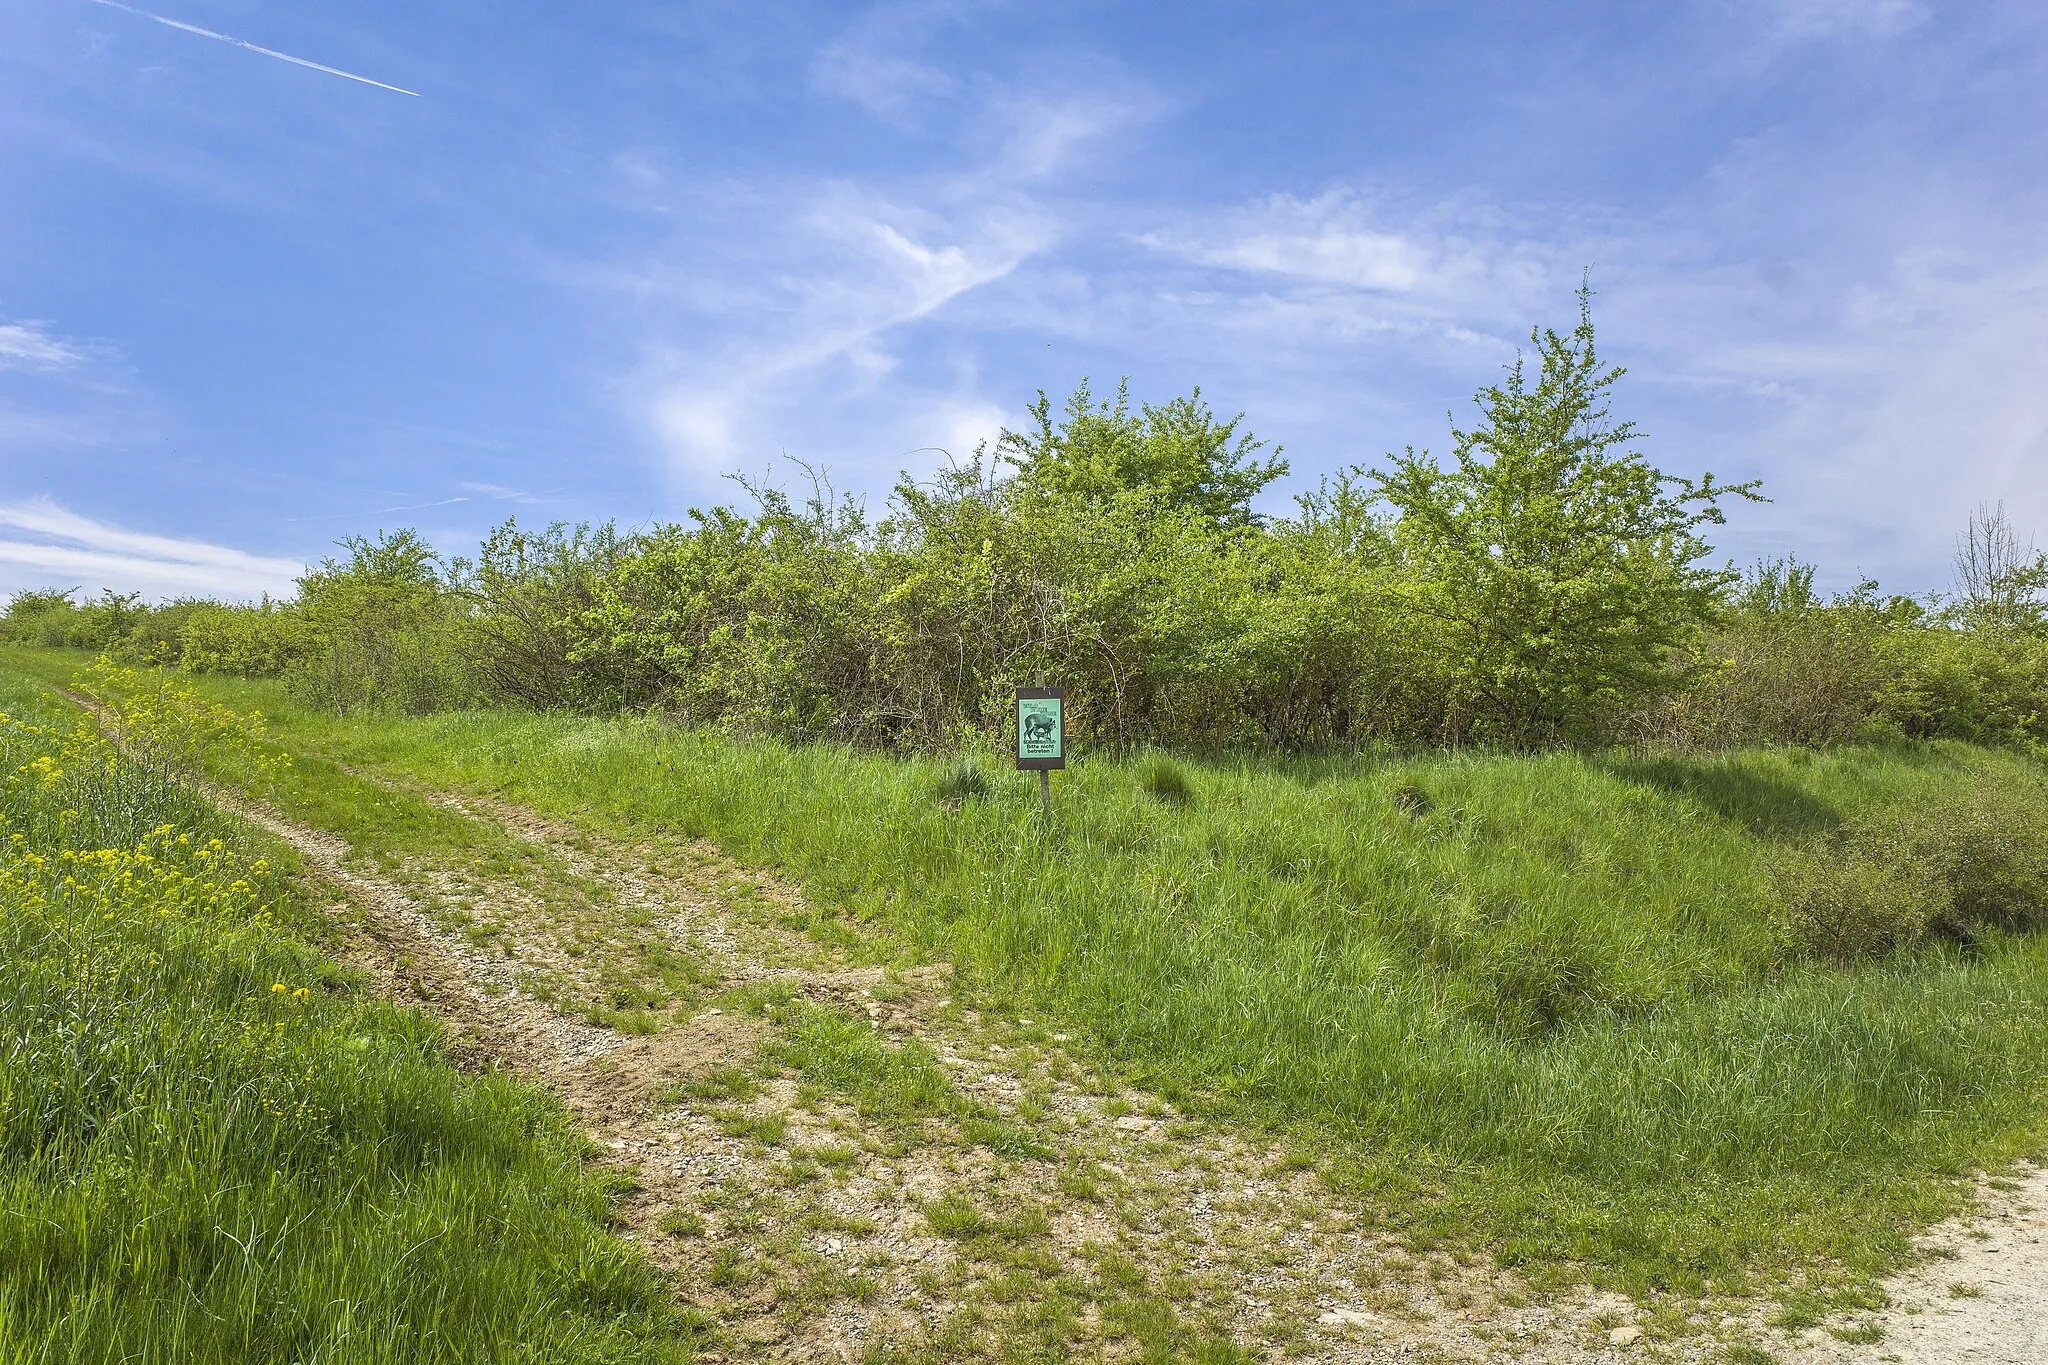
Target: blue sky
{"type": "Point", "coordinates": [610, 253]}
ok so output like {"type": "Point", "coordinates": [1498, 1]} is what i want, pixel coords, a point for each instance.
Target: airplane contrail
{"type": "Point", "coordinates": [251, 47]}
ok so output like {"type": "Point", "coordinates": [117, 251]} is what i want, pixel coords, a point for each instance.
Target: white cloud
{"type": "Point", "coordinates": [1368, 260]}
{"type": "Point", "coordinates": [1449, 256]}
{"type": "Point", "coordinates": [957, 426]}
{"type": "Point", "coordinates": [1329, 239]}
{"type": "Point", "coordinates": [1922, 399]}
{"type": "Point", "coordinates": [810, 292]}
{"type": "Point", "coordinates": [29, 344]}
{"type": "Point", "coordinates": [877, 277]}
{"type": "Point", "coordinates": [872, 65]}
{"type": "Point", "coordinates": [1798, 19]}
{"type": "Point", "coordinates": [886, 86]}
{"type": "Point", "coordinates": [45, 545]}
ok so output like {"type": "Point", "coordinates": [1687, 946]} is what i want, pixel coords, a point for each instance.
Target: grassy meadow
{"type": "Point", "coordinates": [216, 1148]}
{"type": "Point", "coordinates": [1588, 1009]}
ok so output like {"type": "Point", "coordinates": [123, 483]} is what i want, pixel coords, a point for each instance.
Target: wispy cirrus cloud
{"type": "Point", "coordinates": [1331, 239]}
{"type": "Point", "coordinates": [871, 270]}
{"type": "Point", "coordinates": [837, 276]}
{"type": "Point", "coordinates": [1349, 262]}
{"type": "Point", "coordinates": [31, 345]}
{"type": "Point", "coordinates": [886, 86]}
{"type": "Point", "coordinates": [1797, 19]}
{"type": "Point", "coordinates": [44, 545]}
{"type": "Point", "coordinates": [876, 62]}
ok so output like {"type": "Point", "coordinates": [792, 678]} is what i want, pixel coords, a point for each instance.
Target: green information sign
{"type": "Point", "coordinates": [1041, 728]}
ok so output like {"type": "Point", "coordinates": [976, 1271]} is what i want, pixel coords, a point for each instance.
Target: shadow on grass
{"type": "Point", "coordinates": [1768, 807]}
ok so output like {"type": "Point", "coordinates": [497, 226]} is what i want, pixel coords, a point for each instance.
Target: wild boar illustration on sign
{"type": "Point", "coordinates": [1041, 735]}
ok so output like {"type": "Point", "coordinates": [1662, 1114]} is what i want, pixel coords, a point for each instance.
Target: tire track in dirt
{"type": "Point", "coordinates": [1186, 1202]}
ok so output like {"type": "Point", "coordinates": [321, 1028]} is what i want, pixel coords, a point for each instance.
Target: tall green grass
{"type": "Point", "coordinates": [212, 1148]}
{"type": "Point", "coordinates": [1554, 1000]}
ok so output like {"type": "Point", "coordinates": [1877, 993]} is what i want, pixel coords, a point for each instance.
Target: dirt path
{"type": "Point", "coordinates": [837, 1161]}
{"type": "Point", "coordinates": [1981, 1297]}
{"type": "Point", "coordinates": [1034, 1208]}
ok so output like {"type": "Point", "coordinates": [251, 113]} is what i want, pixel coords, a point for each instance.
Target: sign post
{"type": "Point", "coordinates": [1042, 736]}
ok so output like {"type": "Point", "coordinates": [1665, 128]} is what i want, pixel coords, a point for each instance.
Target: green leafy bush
{"type": "Point", "coordinates": [383, 631]}
{"type": "Point", "coordinates": [1954, 869]}
{"type": "Point", "coordinates": [1557, 568]}
{"type": "Point", "coordinates": [263, 641]}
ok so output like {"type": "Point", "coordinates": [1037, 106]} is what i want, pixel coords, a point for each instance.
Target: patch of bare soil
{"type": "Point", "coordinates": [1038, 1213]}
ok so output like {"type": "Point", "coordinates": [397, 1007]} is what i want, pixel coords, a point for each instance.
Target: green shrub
{"type": "Point", "coordinates": [262, 641]}
{"type": "Point", "coordinates": [37, 617]}
{"type": "Point", "coordinates": [1788, 666]}
{"type": "Point", "coordinates": [384, 632]}
{"type": "Point", "coordinates": [1954, 869]}
{"type": "Point", "coordinates": [1557, 566]}
{"type": "Point", "coordinates": [113, 623]}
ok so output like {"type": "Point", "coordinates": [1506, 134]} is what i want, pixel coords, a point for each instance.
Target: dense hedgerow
{"type": "Point", "coordinates": [1545, 585]}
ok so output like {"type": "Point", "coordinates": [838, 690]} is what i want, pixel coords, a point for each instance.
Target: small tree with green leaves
{"type": "Point", "coordinates": [1176, 451]}
{"type": "Point", "coordinates": [383, 631]}
{"type": "Point", "coordinates": [1555, 567]}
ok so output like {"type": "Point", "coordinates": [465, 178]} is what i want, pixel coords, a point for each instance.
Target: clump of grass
{"type": "Point", "coordinates": [1411, 800]}
{"type": "Point", "coordinates": [720, 1083]}
{"type": "Point", "coordinates": [639, 1023]}
{"type": "Point", "coordinates": [899, 1084]}
{"type": "Point", "coordinates": [762, 997]}
{"type": "Point", "coordinates": [846, 1056]}
{"type": "Point", "coordinates": [963, 781]}
{"type": "Point", "coordinates": [955, 1216]}
{"type": "Point", "coordinates": [1743, 1353]}
{"type": "Point", "coordinates": [767, 1129]}
{"type": "Point", "coordinates": [1165, 781]}
{"type": "Point", "coordinates": [681, 1223]}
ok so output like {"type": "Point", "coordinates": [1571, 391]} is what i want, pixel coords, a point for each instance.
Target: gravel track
{"type": "Point", "coordinates": [1981, 1297]}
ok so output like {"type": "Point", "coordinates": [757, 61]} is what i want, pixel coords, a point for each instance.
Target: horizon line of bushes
{"type": "Point", "coordinates": [1546, 585]}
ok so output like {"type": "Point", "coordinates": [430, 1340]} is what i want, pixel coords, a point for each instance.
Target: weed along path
{"type": "Point", "coordinates": [840, 1149]}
